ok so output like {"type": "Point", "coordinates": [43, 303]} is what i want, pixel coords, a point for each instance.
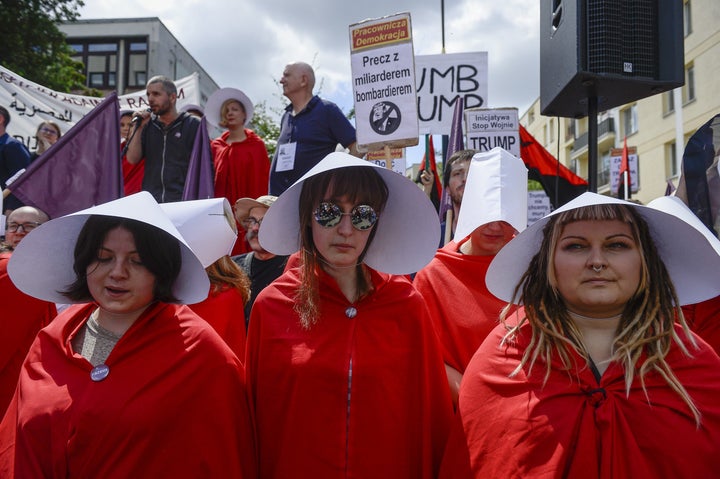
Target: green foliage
{"type": "Point", "coordinates": [265, 125]}
{"type": "Point", "coordinates": [34, 48]}
{"type": "Point", "coordinates": [534, 185]}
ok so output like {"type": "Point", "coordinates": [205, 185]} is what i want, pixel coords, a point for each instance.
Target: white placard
{"type": "Point", "coordinates": [442, 80]}
{"type": "Point", "coordinates": [383, 78]}
{"type": "Point", "coordinates": [538, 206]}
{"type": "Point", "coordinates": [488, 128]}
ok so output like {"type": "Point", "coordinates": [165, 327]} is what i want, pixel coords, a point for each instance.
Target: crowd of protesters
{"type": "Point", "coordinates": [320, 332]}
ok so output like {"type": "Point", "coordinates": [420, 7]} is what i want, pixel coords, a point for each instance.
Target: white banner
{"type": "Point", "coordinates": [383, 78]}
{"type": "Point", "coordinates": [441, 80]}
{"type": "Point", "coordinates": [487, 128]}
{"type": "Point", "coordinates": [29, 104]}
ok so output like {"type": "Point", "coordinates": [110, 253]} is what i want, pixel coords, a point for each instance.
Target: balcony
{"type": "Point", "coordinates": [606, 139]}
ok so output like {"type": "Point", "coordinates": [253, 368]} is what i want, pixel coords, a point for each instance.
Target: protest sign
{"type": "Point", "coordinates": [491, 127]}
{"type": "Point", "coordinates": [442, 80]}
{"type": "Point", "coordinates": [383, 79]}
{"type": "Point", "coordinates": [397, 159]}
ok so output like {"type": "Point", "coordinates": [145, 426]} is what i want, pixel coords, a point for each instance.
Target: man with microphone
{"type": "Point", "coordinates": [166, 139]}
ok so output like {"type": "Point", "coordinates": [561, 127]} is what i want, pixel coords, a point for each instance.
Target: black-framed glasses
{"type": "Point", "coordinates": [26, 227]}
{"type": "Point", "coordinates": [250, 222]}
{"type": "Point", "coordinates": [362, 217]}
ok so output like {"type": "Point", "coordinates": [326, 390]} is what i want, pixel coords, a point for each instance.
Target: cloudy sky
{"type": "Point", "coordinates": [246, 44]}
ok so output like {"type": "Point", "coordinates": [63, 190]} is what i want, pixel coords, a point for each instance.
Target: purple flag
{"type": "Point", "coordinates": [699, 185]}
{"type": "Point", "coordinates": [455, 143]}
{"type": "Point", "coordinates": [199, 184]}
{"type": "Point", "coordinates": [79, 171]}
{"type": "Point", "coordinates": [670, 188]}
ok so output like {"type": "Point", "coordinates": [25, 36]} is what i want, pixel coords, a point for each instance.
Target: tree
{"type": "Point", "coordinates": [33, 46]}
{"type": "Point", "coordinates": [266, 127]}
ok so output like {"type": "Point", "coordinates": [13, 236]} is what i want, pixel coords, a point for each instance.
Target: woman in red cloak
{"type": "Point", "coordinates": [129, 382]}
{"type": "Point", "coordinates": [242, 165]}
{"type": "Point", "coordinates": [595, 379]}
{"type": "Point", "coordinates": [344, 371]}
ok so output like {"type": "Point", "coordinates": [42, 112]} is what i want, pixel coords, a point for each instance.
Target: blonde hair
{"type": "Point", "coordinates": [646, 325]}
{"type": "Point", "coordinates": [224, 109]}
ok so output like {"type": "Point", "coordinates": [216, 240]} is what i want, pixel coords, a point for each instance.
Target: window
{"type": "Point", "coordinates": [575, 166]}
{"type": "Point", "coordinates": [668, 102]}
{"type": "Point", "coordinates": [603, 175]}
{"type": "Point", "coordinates": [551, 130]}
{"type": "Point", "coordinates": [581, 127]}
{"type": "Point", "coordinates": [101, 58]}
{"type": "Point", "coordinates": [570, 129]}
{"type": "Point", "coordinates": [670, 163]}
{"type": "Point", "coordinates": [531, 117]}
{"type": "Point", "coordinates": [687, 18]}
{"type": "Point", "coordinates": [137, 64]}
{"type": "Point", "coordinates": [629, 120]}
{"type": "Point", "coordinates": [689, 87]}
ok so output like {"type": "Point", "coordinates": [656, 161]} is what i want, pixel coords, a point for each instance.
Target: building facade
{"type": "Point", "coordinates": [653, 125]}
{"type": "Point", "coordinates": [122, 54]}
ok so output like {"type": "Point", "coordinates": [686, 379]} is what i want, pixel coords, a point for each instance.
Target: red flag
{"type": "Point", "coordinates": [623, 185]}
{"type": "Point", "coordinates": [79, 171]}
{"type": "Point", "coordinates": [199, 184]}
{"type": "Point", "coordinates": [428, 163]}
{"type": "Point", "coordinates": [560, 184]}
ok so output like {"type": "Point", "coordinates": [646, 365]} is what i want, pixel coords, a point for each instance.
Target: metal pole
{"type": "Point", "coordinates": [442, 23]}
{"type": "Point", "coordinates": [592, 143]}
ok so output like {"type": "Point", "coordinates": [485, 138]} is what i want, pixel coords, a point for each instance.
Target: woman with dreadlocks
{"type": "Point", "coordinates": [598, 376]}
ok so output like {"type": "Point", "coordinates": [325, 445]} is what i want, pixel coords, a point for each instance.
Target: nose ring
{"type": "Point", "coordinates": [597, 269]}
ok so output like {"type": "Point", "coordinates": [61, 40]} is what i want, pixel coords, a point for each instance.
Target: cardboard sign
{"type": "Point", "coordinates": [396, 155]}
{"type": "Point", "coordinates": [444, 79]}
{"type": "Point", "coordinates": [489, 128]}
{"type": "Point", "coordinates": [383, 78]}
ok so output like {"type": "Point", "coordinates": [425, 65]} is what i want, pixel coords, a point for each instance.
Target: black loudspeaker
{"type": "Point", "coordinates": [618, 51]}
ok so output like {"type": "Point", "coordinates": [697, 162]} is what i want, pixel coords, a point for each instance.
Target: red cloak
{"type": "Point", "coordinates": [172, 405]}
{"type": "Point", "coordinates": [242, 169]}
{"type": "Point", "coordinates": [132, 174]}
{"type": "Point", "coordinates": [349, 397]}
{"type": "Point", "coordinates": [462, 310]}
{"type": "Point", "coordinates": [704, 319]}
{"type": "Point", "coordinates": [225, 311]}
{"type": "Point", "coordinates": [574, 426]}
{"type": "Point", "coordinates": [21, 317]}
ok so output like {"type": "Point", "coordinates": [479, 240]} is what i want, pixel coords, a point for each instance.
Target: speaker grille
{"type": "Point", "coordinates": [622, 37]}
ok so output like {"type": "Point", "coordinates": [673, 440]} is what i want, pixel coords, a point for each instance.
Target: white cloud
{"type": "Point", "coordinates": [246, 44]}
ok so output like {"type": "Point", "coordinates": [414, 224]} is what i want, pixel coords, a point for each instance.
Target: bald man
{"type": "Point", "coordinates": [22, 221]}
{"type": "Point", "coordinates": [310, 129]}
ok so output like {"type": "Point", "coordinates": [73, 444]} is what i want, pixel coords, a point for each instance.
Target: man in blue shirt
{"type": "Point", "coordinates": [13, 158]}
{"type": "Point", "coordinates": [310, 129]}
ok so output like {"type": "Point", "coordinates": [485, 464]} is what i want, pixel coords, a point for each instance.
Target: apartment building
{"type": "Point", "coordinates": [654, 125]}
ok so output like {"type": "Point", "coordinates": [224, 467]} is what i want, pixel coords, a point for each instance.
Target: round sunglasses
{"type": "Point", "coordinates": [328, 215]}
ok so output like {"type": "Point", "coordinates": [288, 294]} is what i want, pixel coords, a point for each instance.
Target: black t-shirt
{"type": "Point", "coordinates": [261, 273]}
